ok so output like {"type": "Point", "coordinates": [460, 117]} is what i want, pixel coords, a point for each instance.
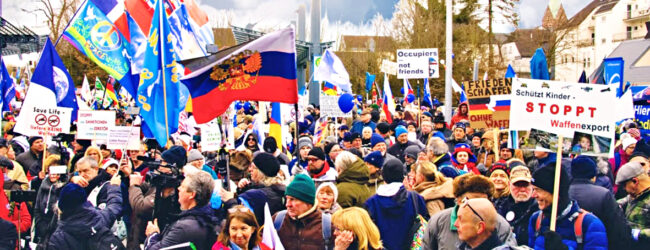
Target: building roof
{"type": "Point", "coordinates": [632, 51]}
{"type": "Point", "coordinates": [376, 43]}
{"type": "Point", "coordinates": [606, 6]}
{"type": "Point", "coordinates": [16, 40]}
{"type": "Point", "coordinates": [579, 17]}
{"type": "Point", "coordinates": [528, 40]}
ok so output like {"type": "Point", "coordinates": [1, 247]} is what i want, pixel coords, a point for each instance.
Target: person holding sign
{"type": "Point", "coordinates": [575, 228]}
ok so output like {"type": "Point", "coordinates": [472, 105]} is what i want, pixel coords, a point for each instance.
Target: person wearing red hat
{"type": "Point", "coordinates": [463, 159]}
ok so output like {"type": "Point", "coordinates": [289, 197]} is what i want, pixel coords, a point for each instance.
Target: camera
{"type": "Point", "coordinates": [20, 196]}
{"type": "Point", "coordinates": [161, 179]}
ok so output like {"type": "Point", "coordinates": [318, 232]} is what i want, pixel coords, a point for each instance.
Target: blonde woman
{"type": "Point", "coordinates": [433, 186]}
{"type": "Point", "coordinates": [499, 175]}
{"type": "Point", "coordinates": [354, 230]}
{"type": "Point", "coordinates": [95, 153]}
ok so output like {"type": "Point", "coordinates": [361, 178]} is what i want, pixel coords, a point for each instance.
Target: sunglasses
{"type": "Point", "coordinates": [240, 209]}
{"type": "Point", "coordinates": [466, 204]}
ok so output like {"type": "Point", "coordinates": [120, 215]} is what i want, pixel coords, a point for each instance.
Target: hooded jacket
{"type": "Point", "coordinates": [435, 194]}
{"type": "Point", "coordinates": [46, 197]}
{"type": "Point", "coordinates": [351, 184]}
{"type": "Point", "coordinates": [393, 210]}
{"type": "Point", "coordinates": [75, 227]}
{"type": "Point", "coordinates": [198, 225]}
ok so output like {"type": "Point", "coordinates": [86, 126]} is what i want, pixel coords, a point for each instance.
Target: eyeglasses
{"type": "Point", "coordinates": [251, 139]}
{"type": "Point", "coordinates": [466, 204]}
{"type": "Point", "coordinates": [240, 209]}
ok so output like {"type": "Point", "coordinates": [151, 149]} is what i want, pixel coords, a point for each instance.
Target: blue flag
{"type": "Point", "coordinates": [510, 73]}
{"type": "Point", "coordinates": [159, 91]}
{"type": "Point", "coordinates": [538, 66]}
{"type": "Point", "coordinates": [427, 93]}
{"type": "Point", "coordinates": [369, 80]}
{"type": "Point", "coordinates": [463, 96]}
{"type": "Point", "coordinates": [613, 70]}
{"type": "Point", "coordinates": [7, 88]}
{"type": "Point", "coordinates": [583, 77]}
{"type": "Point", "coordinates": [51, 84]}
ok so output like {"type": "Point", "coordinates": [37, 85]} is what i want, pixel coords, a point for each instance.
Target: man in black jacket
{"type": "Point", "coordinates": [599, 201]}
{"type": "Point", "coordinates": [93, 180]}
{"type": "Point", "coordinates": [32, 159]}
{"type": "Point", "coordinates": [520, 205]}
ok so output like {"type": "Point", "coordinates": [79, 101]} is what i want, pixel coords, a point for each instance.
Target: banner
{"type": "Point", "coordinates": [582, 112]}
{"type": "Point", "coordinates": [123, 137]}
{"type": "Point", "coordinates": [613, 70]}
{"type": "Point", "coordinates": [210, 138]}
{"type": "Point", "coordinates": [417, 63]}
{"type": "Point", "coordinates": [329, 107]}
{"type": "Point", "coordinates": [489, 102]}
{"type": "Point", "coordinates": [42, 121]}
{"type": "Point", "coordinates": [388, 67]}
{"type": "Point", "coordinates": [95, 125]}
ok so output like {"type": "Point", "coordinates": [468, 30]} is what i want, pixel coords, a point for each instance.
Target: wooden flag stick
{"type": "Point", "coordinates": [556, 183]}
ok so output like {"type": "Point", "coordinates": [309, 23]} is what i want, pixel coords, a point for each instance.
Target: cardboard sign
{"type": "Point", "coordinates": [565, 109]}
{"type": "Point", "coordinates": [210, 138]}
{"type": "Point", "coordinates": [388, 67]}
{"type": "Point", "coordinates": [489, 102]}
{"type": "Point", "coordinates": [417, 63]}
{"type": "Point", "coordinates": [123, 137]}
{"type": "Point", "coordinates": [94, 125]}
{"type": "Point", "coordinates": [329, 107]}
{"type": "Point", "coordinates": [47, 121]}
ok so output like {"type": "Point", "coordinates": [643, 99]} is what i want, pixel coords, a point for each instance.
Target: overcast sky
{"type": "Point", "coordinates": [343, 16]}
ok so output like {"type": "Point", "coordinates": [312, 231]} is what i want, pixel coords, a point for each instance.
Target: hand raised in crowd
{"type": "Point", "coordinates": [343, 239]}
{"type": "Point", "coordinates": [125, 167]}
{"type": "Point", "coordinates": [41, 175]}
{"type": "Point", "coordinates": [79, 181]}
{"type": "Point", "coordinates": [152, 227]}
{"type": "Point", "coordinates": [116, 180]}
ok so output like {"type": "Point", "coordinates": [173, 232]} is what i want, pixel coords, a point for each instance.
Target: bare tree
{"type": "Point", "coordinates": [57, 14]}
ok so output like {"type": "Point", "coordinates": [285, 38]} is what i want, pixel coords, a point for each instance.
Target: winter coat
{"type": "Point", "coordinates": [393, 209]}
{"type": "Point", "coordinates": [198, 225]}
{"type": "Point", "coordinates": [435, 194]}
{"type": "Point", "coordinates": [46, 197]}
{"type": "Point", "coordinates": [142, 199]}
{"type": "Point", "coordinates": [359, 125]}
{"type": "Point", "coordinates": [297, 167]}
{"type": "Point", "coordinates": [451, 142]}
{"type": "Point", "coordinates": [518, 215]}
{"type": "Point", "coordinates": [257, 197]}
{"type": "Point", "coordinates": [327, 174]}
{"type": "Point", "coordinates": [637, 213]}
{"type": "Point", "coordinates": [9, 211]}
{"type": "Point", "coordinates": [18, 175]}
{"type": "Point", "coordinates": [31, 162]}
{"type": "Point", "coordinates": [374, 182]}
{"type": "Point", "coordinates": [442, 234]}
{"type": "Point", "coordinates": [593, 231]}
{"type": "Point", "coordinates": [8, 235]}
{"type": "Point", "coordinates": [351, 184]}
{"type": "Point", "coordinates": [231, 246]}
{"type": "Point", "coordinates": [601, 202]}
{"type": "Point", "coordinates": [75, 227]}
{"type": "Point", "coordinates": [397, 149]}
{"type": "Point", "coordinates": [308, 227]}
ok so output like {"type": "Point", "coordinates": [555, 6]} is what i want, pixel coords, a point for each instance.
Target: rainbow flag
{"type": "Point", "coordinates": [321, 125]}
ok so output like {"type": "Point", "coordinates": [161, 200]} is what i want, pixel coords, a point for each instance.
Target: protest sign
{"type": "Point", "coordinates": [489, 102]}
{"type": "Point", "coordinates": [94, 125]}
{"type": "Point", "coordinates": [210, 138]}
{"type": "Point", "coordinates": [417, 63]}
{"type": "Point", "coordinates": [388, 67]}
{"type": "Point", "coordinates": [564, 108]}
{"type": "Point", "coordinates": [123, 137]}
{"type": "Point", "coordinates": [46, 121]}
{"type": "Point", "coordinates": [329, 107]}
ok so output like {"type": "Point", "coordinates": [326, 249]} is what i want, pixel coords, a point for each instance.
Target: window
{"type": "Point", "coordinates": [629, 11]}
{"type": "Point", "coordinates": [629, 32]}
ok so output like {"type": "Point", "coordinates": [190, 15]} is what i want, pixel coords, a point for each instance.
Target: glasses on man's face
{"type": "Point", "coordinates": [466, 204]}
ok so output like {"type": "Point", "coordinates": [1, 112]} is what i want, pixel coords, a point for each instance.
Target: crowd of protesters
{"type": "Point", "coordinates": [415, 183]}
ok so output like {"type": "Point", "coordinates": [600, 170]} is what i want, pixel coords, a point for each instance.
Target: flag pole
{"type": "Point", "coordinates": [295, 106]}
{"type": "Point", "coordinates": [162, 62]}
{"type": "Point", "coordinates": [68, 25]}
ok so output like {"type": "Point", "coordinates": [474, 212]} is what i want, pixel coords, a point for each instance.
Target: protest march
{"type": "Point", "coordinates": [277, 143]}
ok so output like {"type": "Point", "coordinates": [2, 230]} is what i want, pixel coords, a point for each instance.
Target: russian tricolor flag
{"type": "Point", "coordinates": [260, 70]}
{"type": "Point", "coordinates": [409, 96]}
{"type": "Point", "coordinates": [388, 104]}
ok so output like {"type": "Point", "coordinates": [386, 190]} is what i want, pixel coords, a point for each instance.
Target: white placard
{"type": "Point", "coordinates": [329, 106]}
{"type": "Point", "coordinates": [94, 125]}
{"type": "Point", "coordinates": [46, 121]}
{"type": "Point", "coordinates": [123, 137]}
{"type": "Point", "coordinates": [417, 63]}
{"type": "Point", "coordinates": [388, 67]}
{"type": "Point", "coordinates": [210, 137]}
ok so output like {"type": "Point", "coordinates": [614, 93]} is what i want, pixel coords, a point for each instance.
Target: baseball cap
{"type": "Point", "coordinates": [520, 173]}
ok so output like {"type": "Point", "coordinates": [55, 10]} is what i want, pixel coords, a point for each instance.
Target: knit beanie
{"type": "Point", "coordinates": [302, 188]}
{"type": "Point", "coordinates": [583, 167]}
{"type": "Point", "coordinates": [498, 166]}
{"type": "Point", "coordinates": [71, 197]}
{"type": "Point", "coordinates": [270, 145]}
{"type": "Point", "coordinates": [194, 155]}
{"type": "Point", "coordinates": [628, 141]}
{"type": "Point", "coordinates": [412, 151]}
{"type": "Point", "coordinates": [317, 152]}
{"type": "Point", "coordinates": [376, 139]}
{"type": "Point", "coordinates": [383, 127]}
{"type": "Point", "coordinates": [375, 158]}
{"type": "Point", "coordinates": [175, 155]}
{"type": "Point", "coordinates": [400, 130]}
{"type": "Point", "coordinates": [642, 149]}
{"type": "Point", "coordinates": [328, 148]}
{"type": "Point", "coordinates": [267, 163]}
{"type": "Point", "coordinates": [544, 178]}
{"type": "Point", "coordinates": [305, 142]}
{"type": "Point", "coordinates": [32, 139]}
{"type": "Point", "coordinates": [393, 171]}
{"type": "Point", "coordinates": [330, 185]}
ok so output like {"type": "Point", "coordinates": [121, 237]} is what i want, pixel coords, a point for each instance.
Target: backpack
{"type": "Point", "coordinates": [418, 228]}
{"type": "Point", "coordinates": [577, 217]}
{"type": "Point", "coordinates": [326, 224]}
